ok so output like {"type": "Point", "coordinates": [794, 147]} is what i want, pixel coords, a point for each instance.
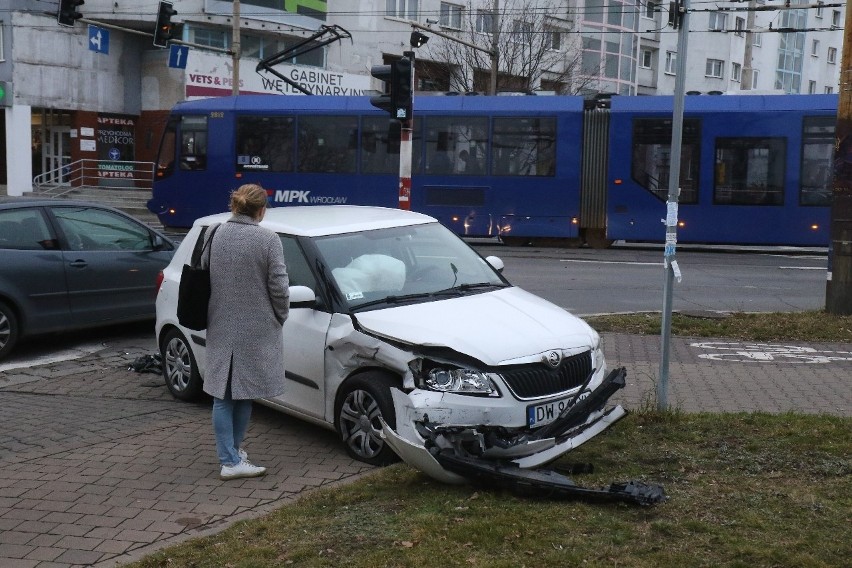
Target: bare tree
{"type": "Point", "coordinates": [536, 50]}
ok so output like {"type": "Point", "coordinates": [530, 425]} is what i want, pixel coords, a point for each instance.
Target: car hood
{"type": "Point", "coordinates": [499, 327]}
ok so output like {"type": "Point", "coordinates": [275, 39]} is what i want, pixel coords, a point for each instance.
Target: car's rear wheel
{"type": "Point", "coordinates": [9, 329]}
{"type": "Point", "coordinates": [179, 367]}
{"type": "Point", "coordinates": [362, 401]}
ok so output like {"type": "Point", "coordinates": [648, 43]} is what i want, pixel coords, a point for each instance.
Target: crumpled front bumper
{"type": "Point", "coordinates": [493, 456]}
{"type": "Point", "coordinates": [421, 445]}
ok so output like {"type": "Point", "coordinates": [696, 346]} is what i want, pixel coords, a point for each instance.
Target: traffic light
{"type": "Point", "coordinates": [402, 84]}
{"type": "Point", "coordinates": [163, 31]}
{"type": "Point", "coordinates": [397, 98]}
{"type": "Point", "coordinates": [5, 94]}
{"type": "Point", "coordinates": [68, 14]}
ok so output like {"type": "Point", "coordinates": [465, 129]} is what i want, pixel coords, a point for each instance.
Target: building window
{"type": "Point", "coordinates": [757, 39]}
{"type": "Point", "coordinates": [819, 9]}
{"type": "Point", "coordinates": [645, 61]}
{"type": "Point", "coordinates": [671, 62]}
{"type": "Point", "coordinates": [403, 8]}
{"type": "Point", "coordinates": [736, 72]}
{"type": "Point", "coordinates": [835, 18]}
{"type": "Point", "coordinates": [210, 37]}
{"type": "Point", "coordinates": [754, 76]}
{"type": "Point", "coordinates": [718, 21]}
{"type": "Point", "coordinates": [484, 22]}
{"type": "Point", "coordinates": [714, 68]}
{"type": "Point", "coordinates": [811, 87]}
{"type": "Point", "coordinates": [521, 32]}
{"type": "Point", "coordinates": [815, 48]}
{"type": "Point", "coordinates": [553, 39]}
{"type": "Point", "coordinates": [451, 15]}
{"type": "Point", "coordinates": [650, 9]}
{"type": "Point", "coordinates": [740, 27]}
{"type": "Point", "coordinates": [832, 55]}
{"type": "Point", "coordinates": [829, 90]}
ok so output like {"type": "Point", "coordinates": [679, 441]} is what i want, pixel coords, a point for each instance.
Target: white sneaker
{"type": "Point", "coordinates": [242, 469]}
{"type": "Point", "coordinates": [243, 455]}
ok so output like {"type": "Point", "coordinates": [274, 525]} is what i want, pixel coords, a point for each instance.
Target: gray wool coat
{"type": "Point", "coordinates": [249, 302]}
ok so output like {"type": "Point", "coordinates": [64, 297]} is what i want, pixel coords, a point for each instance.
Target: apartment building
{"type": "Point", "coordinates": [102, 92]}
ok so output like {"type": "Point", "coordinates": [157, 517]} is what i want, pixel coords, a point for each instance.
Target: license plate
{"type": "Point", "coordinates": [541, 414]}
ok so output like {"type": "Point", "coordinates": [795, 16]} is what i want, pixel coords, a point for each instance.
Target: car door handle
{"type": "Point", "coordinates": [79, 264]}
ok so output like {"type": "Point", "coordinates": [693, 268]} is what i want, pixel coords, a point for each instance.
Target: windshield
{"type": "Point", "coordinates": [404, 265]}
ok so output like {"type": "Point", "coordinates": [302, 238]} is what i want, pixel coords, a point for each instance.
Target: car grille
{"type": "Point", "coordinates": [530, 381]}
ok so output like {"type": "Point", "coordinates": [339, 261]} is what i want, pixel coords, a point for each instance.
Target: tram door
{"type": "Point", "coordinates": [57, 155]}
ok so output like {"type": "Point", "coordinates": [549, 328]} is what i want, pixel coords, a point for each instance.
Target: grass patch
{"type": "Point", "coordinates": [745, 490]}
{"type": "Point", "coordinates": [797, 326]}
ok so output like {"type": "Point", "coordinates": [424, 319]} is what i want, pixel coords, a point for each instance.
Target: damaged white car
{"type": "Point", "coordinates": [408, 343]}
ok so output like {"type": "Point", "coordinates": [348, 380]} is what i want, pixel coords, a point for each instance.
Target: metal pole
{"type": "Point", "coordinates": [405, 150]}
{"type": "Point", "coordinates": [670, 261]}
{"type": "Point", "coordinates": [495, 39]}
{"type": "Point", "coordinates": [237, 52]}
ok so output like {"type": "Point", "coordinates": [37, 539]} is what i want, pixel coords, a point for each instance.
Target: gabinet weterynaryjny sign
{"type": "Point", "coordinates": [209, 75]}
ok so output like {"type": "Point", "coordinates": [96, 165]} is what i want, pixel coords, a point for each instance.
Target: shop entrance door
{"type": "Point", "coordinates": [57, 155]}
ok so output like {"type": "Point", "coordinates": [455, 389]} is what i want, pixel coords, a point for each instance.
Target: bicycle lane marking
{"type": "Point", "coordinates": [751, 352]}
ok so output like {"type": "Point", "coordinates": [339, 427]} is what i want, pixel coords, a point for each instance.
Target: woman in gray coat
{"type": "Point", "coordinates": [249, 302]}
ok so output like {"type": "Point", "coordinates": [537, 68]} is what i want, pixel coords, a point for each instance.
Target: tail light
{"type": "Point", "coordinates": [160, 277]}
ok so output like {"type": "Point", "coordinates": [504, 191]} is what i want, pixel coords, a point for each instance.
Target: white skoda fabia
{"type": "Point", "coordinates": [408, 343]}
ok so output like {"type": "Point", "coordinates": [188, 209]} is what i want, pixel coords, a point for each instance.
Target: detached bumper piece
{"type": "Point", "coordinates": [546, 483]}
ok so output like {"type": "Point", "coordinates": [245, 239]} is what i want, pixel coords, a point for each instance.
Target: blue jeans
{"type": "Point", "coordinates": [230, 423]}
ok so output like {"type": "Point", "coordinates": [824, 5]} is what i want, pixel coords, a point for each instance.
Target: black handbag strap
{"type": "Point", "coordinates": [201, 245]}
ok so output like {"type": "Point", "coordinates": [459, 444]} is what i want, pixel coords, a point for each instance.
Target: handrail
{"type": "Point", "coordinates": [105, 174]}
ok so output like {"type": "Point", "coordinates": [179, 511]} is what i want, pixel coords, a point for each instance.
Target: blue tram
{"type": "Point", "coordinates": [755, 169]}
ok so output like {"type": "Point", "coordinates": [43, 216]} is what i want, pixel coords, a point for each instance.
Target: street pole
{"type": "Point", "coordinates": [405, 150]}
{"type": "Point", "coordinates": [838, 290]}
{"type": "Point", "coordinates": [669, 260]}
{"type": "Point", "coordinates": [237, 52]}
{"type": "Point", "coordinates": [495, 42]}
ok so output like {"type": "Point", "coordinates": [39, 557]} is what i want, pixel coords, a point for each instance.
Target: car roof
{"type": "Point", "coordinates": [18, 202]}
{"type": "Point", "coordinates": [319, 220]}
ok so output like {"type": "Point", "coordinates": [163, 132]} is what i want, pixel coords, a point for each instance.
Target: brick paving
{"type": "Point", "coordinates": [99, 465]}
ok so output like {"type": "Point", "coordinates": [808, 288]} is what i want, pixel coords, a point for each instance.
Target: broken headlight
{"type": "Point", "coordinates": [459, 381]}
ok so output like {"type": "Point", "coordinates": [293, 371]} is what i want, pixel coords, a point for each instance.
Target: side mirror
{"type": "Point", "coordinates": [302, 297]}
{"type": "Point", "coordinates": [495, 263]}
{"type": "Point", "coordinates": [158, 242]}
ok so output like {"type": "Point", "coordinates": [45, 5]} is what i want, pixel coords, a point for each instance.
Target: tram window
{"type": "Point", "coordinates": [651, 157]}
{"type": "Point", "coordinates": [379, 145]}
{"type": "Point", "coordinates": [265, 143]}
{"type": "Point", "coordinates": [456, 145]}
{"type": "Point", "coordinates": [524, 146]}
{"type": "Point", "coordinates": [749, 171]}
{"type": "Point", "coordinates": [168, 146]}
{"type": "Point", "coordinates": [817, 157]}
{"type": "Point", "coordinates": [327, 144]}
{"type": "Point", "coordinates": [193, 143]}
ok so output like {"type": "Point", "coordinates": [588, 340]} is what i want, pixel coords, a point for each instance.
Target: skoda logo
{"type": "Point", "coordinates": [553, 359]}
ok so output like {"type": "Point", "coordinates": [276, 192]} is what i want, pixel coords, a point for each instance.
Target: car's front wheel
{"type": "Point", "coordinates": [8, 329]}
{"type": "Point", "coordinates": [363, 400]}
{"type": "Point", "coordinates": [179, 367]}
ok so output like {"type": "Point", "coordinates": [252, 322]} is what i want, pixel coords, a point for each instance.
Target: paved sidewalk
{"type": "Point", "coordinates": [99, 465]}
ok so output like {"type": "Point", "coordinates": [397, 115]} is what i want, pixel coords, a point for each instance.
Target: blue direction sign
{"type": "Point", "coordinates": [178, 55]}
{"type": "Point", "coordinates": [98, 39]}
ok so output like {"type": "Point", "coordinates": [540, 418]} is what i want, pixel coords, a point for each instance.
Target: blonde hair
{"type": "Point", "coordinates": [248, 199]}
